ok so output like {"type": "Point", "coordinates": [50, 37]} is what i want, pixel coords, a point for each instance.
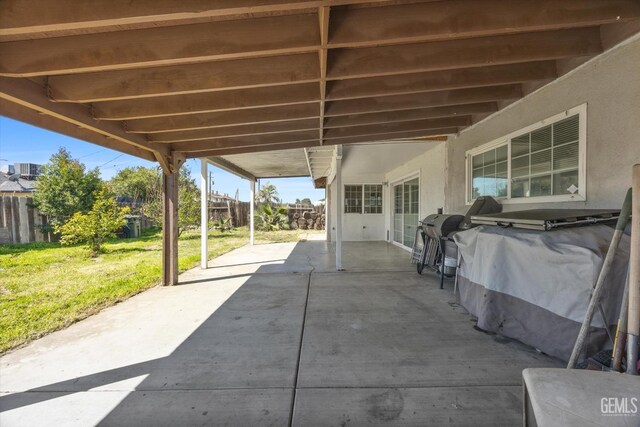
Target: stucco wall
{"type": "Point", "coordinates": [430, 165]}
{"type": "Point", "coordinates": [357, 227]}
{"type": "Point", "coordinates": [375, 164]}
{"type": "Point", "coordinates": [610, 85]}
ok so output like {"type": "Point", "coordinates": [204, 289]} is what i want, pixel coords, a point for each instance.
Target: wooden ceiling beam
{"type": "Point", "coordinates": [245, 141]}
{"type": "Point", "coordinates": [231, 167]}
{"type": "Point", "coordinates": [252, 149]}
{"type": "Point", "coordinates": [471, 18]}
{"type": "Point", "coordinates": [425, 136]}
{"type": "Point", "coordinates": [295, 127]}
{"type": "Point", "coordinates": [224, 146]}
{"type": "Point", "coordinates": [421, 134]}
{"type": "Point", "coordinates": [219, 119]}
{"type": "Point", "coordinates": [323, 18]}
{"type": "Point", "coordinates": [185, 79]}
{"type": "Point", "coordinates": [206, 102]}
{"type": "Point", "coordinates": [464, 53]}
{"type": "Point", "coordinates": [33, 96]}
{"type": "Point", "coordinates": [423, 100]}
{"type": "Point", "coordinates": [230, 131]}
{"type": "Point", "coordinates": [62, 17]}
{"type": "Point", "coordinates": [386, 128]}
{"type": "Point", "coordinates": [407, 115]}
{"type": "Point", "coordinates": [181, 44]}
{"type": "Point", "coordinates": [440, 80]}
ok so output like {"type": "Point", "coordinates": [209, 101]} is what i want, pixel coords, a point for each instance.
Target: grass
{"type": "Point", "coordinates": [45, 287]}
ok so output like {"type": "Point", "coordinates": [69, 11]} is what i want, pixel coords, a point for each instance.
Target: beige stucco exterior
{"type": "Point", "coordinates": [610, 86]}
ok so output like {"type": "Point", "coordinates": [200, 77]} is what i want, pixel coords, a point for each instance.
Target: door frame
{"type": "Point", "coordinates": [408, 177]}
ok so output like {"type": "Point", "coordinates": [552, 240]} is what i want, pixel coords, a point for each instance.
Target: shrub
{"type": "Point", "coordinates": [96, 226]}
{"type": "Point", "coordinates": [270, 218]}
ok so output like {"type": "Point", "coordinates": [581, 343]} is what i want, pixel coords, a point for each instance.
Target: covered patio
{"type": "Point", "coordinates": [272, 335]}
{"type": "Point", "coordinates": [296, 80]}
{"type": "Point", "coordinates": [399, 109]}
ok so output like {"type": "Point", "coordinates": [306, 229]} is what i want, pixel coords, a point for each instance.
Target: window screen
{"type": "Point", "coordinates": [352, 199]}
{"type": "Point", "coordinates": [372, 199]}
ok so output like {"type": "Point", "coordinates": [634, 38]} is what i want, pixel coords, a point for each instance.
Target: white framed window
{"type": "Point", "coordinates": [363, 198]}
{"type": "Point", "coordinates": [353, 199]}
{"type": "Point", "coordinates": [372, 198]}
{"type": "Point", "coordinates": [544, 162]}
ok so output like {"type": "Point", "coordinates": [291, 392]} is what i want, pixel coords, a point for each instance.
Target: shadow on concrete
{"type": "Point", "coordinates": [238, 367]}
{"type": "Point", "coordinates": [298, 343]}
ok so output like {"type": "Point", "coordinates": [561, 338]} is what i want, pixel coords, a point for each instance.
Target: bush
{"type": "Point", "coordinates": [270, 218]}
{"type": "Point", "coordinates": [222, 225]}
{"type": "Point", "coordinates": [96, 226]}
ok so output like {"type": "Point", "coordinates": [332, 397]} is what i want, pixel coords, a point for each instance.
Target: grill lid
{"type": "Point", "coordinates": [441, 225]}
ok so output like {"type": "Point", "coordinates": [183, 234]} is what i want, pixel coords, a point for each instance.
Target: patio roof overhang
{"type": "Point", "coordinates": [266, 88]}
{"type": "Point", "coordinates": [196, 78]}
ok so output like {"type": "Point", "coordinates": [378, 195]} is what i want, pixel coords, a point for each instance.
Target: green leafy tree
{"type": "Point", "coordinates": [188, 201]}
{"type": "Point", "coordinates": [65, 187]}
{"type": "Point", "coordinates": [271, 218]}
{"type": "Point", "coordinates": [145, 185]}
{"type": "Point", "coordinates": [136, 183]}
{"type": "Point", "coordinates": [94, 227]}
{"type": "Point", "coordinates": [305, 201]}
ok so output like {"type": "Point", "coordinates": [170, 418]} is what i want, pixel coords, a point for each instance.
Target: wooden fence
{"type": "Point", "coordinates": [20, 222]}
{"type": "Point", "coordinates": [234, 209]}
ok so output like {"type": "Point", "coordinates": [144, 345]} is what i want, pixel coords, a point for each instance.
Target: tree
{"type": "Point", "coordinates": [188, 201]}
{"type": "Point", "coordinates": [145, 185]}
{"type": "Point", "coordinates": [271, 219]}
{"type": "Point", "coordinates": [305, 201]}
{"type": "Point", "coordinates": [138, 184]}
{"type": "Point", "coordinates": [65, 187]}
{"type": "Point", "coordinates": [268, 195]}
{"type": "Point", "coordinates": [95, 226]}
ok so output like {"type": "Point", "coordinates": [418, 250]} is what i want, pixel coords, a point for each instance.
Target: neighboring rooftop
{"type": "Point", "coordinates": [15, 184]}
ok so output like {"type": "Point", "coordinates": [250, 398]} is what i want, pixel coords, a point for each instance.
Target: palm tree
{"type": "Point", "coordinates": [268, 195]}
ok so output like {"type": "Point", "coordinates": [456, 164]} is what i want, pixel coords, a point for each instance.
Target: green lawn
{"type": "Point", "coordinates": [45, 286]}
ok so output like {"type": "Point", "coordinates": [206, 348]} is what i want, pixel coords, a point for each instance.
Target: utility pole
{"type": "Point", "coordinates": [210, 184]}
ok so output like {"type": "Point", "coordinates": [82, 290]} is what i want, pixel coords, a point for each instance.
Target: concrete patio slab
{"type": "Point", "coordinates": [399, 329]}
{"type": "Point", "coordinates": [316, 255]}
{"type": "Point", "coordinates": [268, 407]}
{"type": "Point", "coordinates": [267, 329]}
{"type": "Point", "coordinates": [438, 406]}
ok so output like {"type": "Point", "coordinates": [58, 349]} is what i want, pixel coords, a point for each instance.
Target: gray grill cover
{"type": "Point", "coordinates": [535, 286]}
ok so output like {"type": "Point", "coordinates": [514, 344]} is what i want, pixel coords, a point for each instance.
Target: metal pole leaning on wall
{"type": "Point", "coordinates": [633, 318]}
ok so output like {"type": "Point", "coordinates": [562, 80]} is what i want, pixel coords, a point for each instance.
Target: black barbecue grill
{"type": "Point", "coordinates": [434, 247]}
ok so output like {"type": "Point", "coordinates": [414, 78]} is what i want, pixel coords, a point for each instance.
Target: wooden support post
{"type": "Point", "coordinates": [170, 228]}
{"type": "Point", "coordinates": [204, 214]}
{"type": "Point", "coordinates": [251, 213]}
{"type": "Point", "coordinates": [633, 329]}
{"type": "Point", "coordinates": [339, 207]}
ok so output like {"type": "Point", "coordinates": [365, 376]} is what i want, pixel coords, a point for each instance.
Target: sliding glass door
{"type": "Point", "coordinates": [406, 205]}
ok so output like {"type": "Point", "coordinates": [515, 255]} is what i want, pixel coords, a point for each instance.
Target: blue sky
{"type": "Point", "coordinates": [20, 142]}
